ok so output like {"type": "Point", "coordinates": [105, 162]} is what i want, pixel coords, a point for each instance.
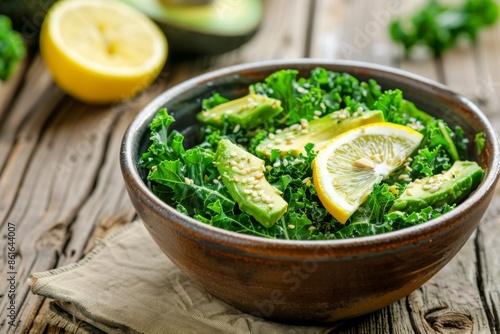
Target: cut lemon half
{"type": "Point", "coordinates": [347, 168]}
{"type": "Point", "coordinates": [100, 51]}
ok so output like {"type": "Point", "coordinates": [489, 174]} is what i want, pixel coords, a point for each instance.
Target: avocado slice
{"type": "Point", "coordinates": [452, 186]}
{"type": "Point", "coordinates": [243, 175]}
{"type": "Point", "coordinates": [248, 111]}
{"type": "Point", "coordinates": [318, 131]}
{"type": "Point", "coordinates": [209, 28]}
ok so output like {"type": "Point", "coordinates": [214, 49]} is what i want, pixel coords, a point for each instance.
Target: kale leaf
{"type": "Point", "coordinates": [187, 179]}
{"type": "Point", "coordinates": [439, 26]}
{"type": "Point", "coordinates": [12, 49]}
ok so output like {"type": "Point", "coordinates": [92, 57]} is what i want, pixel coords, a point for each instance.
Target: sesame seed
{"type": "Point", "coordinates": [236, 179]}
{"type": "Point", "coordinates": [304, 123]}
{"type": "Point", "coordinates": [408, 192]}
{"type": "Point", "coordinates": [315, 117]}
{"type": "Point", "coordinates": [403, 177]}
{"type": "Point", "coordinates": [318, 113]}
{"type": "Point", "coordinates": [434, 188]}
{"type": "Point", "coordinates": [215, 181]}
{"type": "Point", "coordinates": [271, 136]}
{"type": "Point", "coordinates": [259, 176]}
{"type": "Point", "coordinates": [312, 228]}
{"type": "Point", "coordinates": [291, 227]}
{"type": "Point", "coordinates": [233, 154]}
{"type": "Point", "coordinates": [235, 169]}
{"type": "Point", "coordinates": [364, 163]}
{"type": "Point", "coordinates": [188, 181]}
{"type": "Point", "coordinates": [302, 90]}
{"type": "Point", "coordinates": [426, 186]}
{"type": "Point", "coordinates": [279, 131]}
{"type": "Point", "coordinates": [154, 168]}
{"type": "Point", "coordinates": [307, 179]}
{"type": "Point", "coordinates": [247, 191]}
{"type": "Point", "coordinates": [277, 164]}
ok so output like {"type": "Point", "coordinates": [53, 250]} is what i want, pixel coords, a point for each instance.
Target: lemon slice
{"type": "Point", "coordinates": [100, 51]}
{"type": "Point", "coordinates": [347, 168]}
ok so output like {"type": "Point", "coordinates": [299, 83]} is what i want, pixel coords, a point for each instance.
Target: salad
{"type": "Point", "coordinates": [322, 157]}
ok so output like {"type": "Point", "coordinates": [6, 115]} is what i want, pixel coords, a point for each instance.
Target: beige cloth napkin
{"type": "Point", "coordinates": [127, 285]}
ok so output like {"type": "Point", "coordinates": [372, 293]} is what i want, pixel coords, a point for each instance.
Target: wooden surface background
{"type": "Point", "coordinates": [60, 182]}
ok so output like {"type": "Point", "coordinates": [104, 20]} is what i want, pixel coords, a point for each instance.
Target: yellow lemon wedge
{"type": "Point", "coordinates": [347, 168]}
{"type": "Point", "coordinates": [100, 51]}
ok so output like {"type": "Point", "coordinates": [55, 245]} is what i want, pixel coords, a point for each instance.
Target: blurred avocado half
{"type": "Point", "coordinates": [203, 26]}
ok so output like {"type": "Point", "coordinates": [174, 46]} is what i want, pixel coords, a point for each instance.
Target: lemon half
{"type": "Point", "coordinates": [99, 51]}
{"type": "Point", "coordinates": [347, 168]}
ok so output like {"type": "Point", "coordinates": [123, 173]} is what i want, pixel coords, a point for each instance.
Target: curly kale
{"type": "Point", "coordinates": [187, 178]}
{"type": "Point", "coordinates": [12, 49]}
{"type": "Point", "coordinates": [439, 26]}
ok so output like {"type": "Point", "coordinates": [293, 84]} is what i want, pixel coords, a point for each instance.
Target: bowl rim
{"type": "Point", "coordinates": [353, 246]}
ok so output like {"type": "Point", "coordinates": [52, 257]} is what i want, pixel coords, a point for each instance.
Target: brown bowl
{"type": "Point", "coordinates": [308, 281]}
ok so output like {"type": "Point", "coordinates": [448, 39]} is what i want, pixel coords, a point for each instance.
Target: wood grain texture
{"type": "Point", "coordinates": [70, 190]}
{"type": "Point", "coordinates": [454, 300]}
{"type": "Point", "coordinates": [60, 182]}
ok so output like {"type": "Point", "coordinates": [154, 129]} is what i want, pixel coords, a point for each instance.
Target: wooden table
{"type": "Point", "coordinates": [61, 186]}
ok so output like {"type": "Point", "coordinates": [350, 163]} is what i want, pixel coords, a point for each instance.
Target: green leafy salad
{"type": "Point", "coordinates": [253, 170]}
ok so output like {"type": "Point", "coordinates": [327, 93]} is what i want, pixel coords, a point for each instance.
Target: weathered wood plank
{"type": "Point", "coordinates": [354, 30]}
{"type": "Point", "coordinates": [98, 201]}
{"type": "Point", "coordinates": [487, 57]}
{"type": "Point", "coordinates": [63, 197]}
{"type": "Point", "coordinates": [421, 63]}
{"type": "Point", "coordinates": [8, 89]}
{"type": "Point", "coordinates": [460, 71]}
{"type": "Point", "coordinates": [108, 206]}
{"type": "Point", "coordinates": [329, 17]}
{"type": "Point", "coordinates": [50, 198]}
{"type": "Point", "coordinates": [281, 35]}
{"type": "Point", "coordinates": [451, 301]}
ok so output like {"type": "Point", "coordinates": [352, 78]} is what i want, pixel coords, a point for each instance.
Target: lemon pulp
{"type": "Point", "coordinates": [100, 51]}
{"type": "Point", "coordinates": [347, 168]}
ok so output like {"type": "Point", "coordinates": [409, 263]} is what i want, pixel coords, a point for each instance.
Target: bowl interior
{"type": "Point", "coordinates": [184, 102]}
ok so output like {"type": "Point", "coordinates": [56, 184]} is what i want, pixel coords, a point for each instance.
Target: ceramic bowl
{"type": "Point", "coordinates": [308, 281]}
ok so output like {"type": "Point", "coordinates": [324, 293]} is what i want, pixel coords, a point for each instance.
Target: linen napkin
{"type": "Point", "coordinates": [127, 285]}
